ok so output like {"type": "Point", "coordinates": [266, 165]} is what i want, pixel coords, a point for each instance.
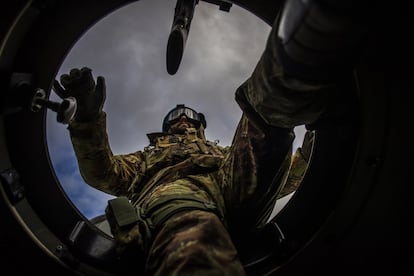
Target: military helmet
{"type": "Point", "coordinates": [174, 115]}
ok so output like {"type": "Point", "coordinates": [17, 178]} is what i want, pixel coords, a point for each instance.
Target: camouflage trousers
{"type": "Point", "coordinates": [193, 241]}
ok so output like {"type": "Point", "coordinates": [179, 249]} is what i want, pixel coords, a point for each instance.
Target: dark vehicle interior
{"type": "Point", "coordinates": [352, 214]}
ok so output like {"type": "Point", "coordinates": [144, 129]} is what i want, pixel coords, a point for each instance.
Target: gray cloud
{"type": "Point", "coordinates": [128, 48]}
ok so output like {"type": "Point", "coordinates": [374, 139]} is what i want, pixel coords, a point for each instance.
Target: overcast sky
{"type": "Point", "coordinates": [128, 48]}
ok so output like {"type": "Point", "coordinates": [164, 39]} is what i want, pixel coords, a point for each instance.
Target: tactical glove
{"type": "Point", "coordinates": [80, 84]}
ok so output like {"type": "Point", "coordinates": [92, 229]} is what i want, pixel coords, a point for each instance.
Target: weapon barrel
{"type": "Point", "coordinates": [184, 11]}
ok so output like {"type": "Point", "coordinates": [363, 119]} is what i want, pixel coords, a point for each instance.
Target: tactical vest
{"type": "Point", "coordinates": [170, 157]}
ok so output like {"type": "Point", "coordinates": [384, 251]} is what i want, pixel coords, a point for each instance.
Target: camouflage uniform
{"type": "Point", "coordinates": [180, 170]}
{"type": "Point", "coordinates": [191, 194]}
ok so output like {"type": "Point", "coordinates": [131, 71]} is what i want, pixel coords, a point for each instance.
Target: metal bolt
{"type": "Point", "coordinates": [65, 110]}
{"type": "Point", "coordinates": [39, 95]}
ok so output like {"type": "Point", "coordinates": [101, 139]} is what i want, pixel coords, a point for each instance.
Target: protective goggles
{"type": "Point", "coordinates": [176, 113]}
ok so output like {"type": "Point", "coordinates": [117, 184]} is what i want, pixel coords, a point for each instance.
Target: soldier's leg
{"type": "Point", "coordinates": [253, 172]}
{"type": "Point", "coordinates": [272, 103]}
{"type": "Point", "coordinates": [279, 100]}
{"type": "Point", "coordinates": [274, 100]}
{"type": "Point", "coordinates": [193, 243]}
{"type": "Point", "coordinates": [178, 229]}
{"type": "Point", "coordinates": [189, 236]}
{"type": "Point", "coordinates": [311, 49]}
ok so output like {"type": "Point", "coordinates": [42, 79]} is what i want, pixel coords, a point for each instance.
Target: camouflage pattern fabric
{"type": "Point", "coordinates": [194, 243]}
{"type": "Point", "coordinates": [282, 100]}
{"type": "Point", "coordinates": [209, 173]}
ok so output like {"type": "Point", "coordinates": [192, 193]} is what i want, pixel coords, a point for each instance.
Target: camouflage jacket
{"type": "Point", "coordinates": [242, 179]}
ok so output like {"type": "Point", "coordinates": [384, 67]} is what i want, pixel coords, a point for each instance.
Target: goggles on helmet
{"type": "Point", "coordinates": [178, 112]}
{"type": "Point", "coordinates": [175, 114]}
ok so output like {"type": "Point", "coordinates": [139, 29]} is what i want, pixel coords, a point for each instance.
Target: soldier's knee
{"type": "Point", "coordinates": [194, 241]}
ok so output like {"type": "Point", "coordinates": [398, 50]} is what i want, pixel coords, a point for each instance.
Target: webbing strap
{"type": "Point", "coordinates": [124, 215]}
{"type": "Point", "coordinates": [170, 205]}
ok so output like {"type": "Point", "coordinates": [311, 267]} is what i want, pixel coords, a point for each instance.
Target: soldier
{"type": "Point", "coordinates": [188, 193]}
{"type": "Point", "coordinates": [182, 199]}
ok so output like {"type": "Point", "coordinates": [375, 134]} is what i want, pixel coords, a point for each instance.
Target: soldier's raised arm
{"type": "Point", "coordinates": [100, 168]}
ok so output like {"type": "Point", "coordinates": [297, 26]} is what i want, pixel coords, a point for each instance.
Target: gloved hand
{"type": "Point", "coordinates": [80, 84]}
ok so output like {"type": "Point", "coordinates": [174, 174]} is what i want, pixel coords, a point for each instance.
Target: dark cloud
{"type": "Point", "coordinates": [128, 48]}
